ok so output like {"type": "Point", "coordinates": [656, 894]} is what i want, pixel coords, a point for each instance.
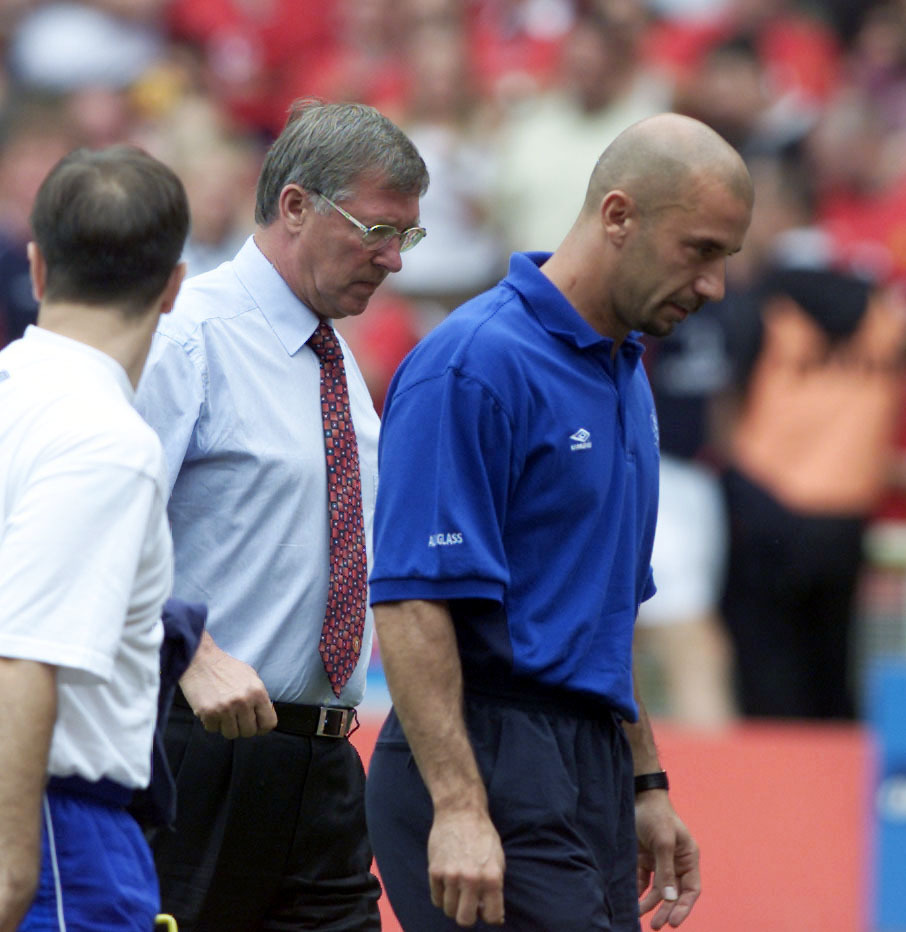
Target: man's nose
{"type": "Point", "coordinates": [389, 256]}
{"type": "Point", "coordinates": [711, 284]}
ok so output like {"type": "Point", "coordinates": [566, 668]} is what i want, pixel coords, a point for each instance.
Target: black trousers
{"type": "Point", "coordinates": [270, 834]}
{"type": "Point", "coordinates": [561, 797]}
{"type": "Point", "coordinates": [788, 605]}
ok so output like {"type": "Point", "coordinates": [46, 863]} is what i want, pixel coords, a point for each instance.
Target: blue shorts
{"type": "Point", "coordinates": [561, 796]}
{"type": "Point", "coordinates": [96, 869]}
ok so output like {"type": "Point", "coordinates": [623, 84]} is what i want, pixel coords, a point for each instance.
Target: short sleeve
{"type": "Point", "coordinates": [69, 555]}
{"type": "Point", "coordinates": [445, 471]}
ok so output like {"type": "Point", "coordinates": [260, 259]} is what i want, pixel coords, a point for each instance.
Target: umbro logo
{"type": "Point", "coordinates": [581, 440]}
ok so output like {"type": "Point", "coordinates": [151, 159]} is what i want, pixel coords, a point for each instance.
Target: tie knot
{"type": "Point", "coordinates": [324, 341]}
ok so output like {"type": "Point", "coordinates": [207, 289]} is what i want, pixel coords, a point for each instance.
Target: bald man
{"type": "Point", "coordinates": [516, 781]}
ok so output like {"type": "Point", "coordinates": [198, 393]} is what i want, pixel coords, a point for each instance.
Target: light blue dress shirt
{"type": "Point", "coordinates": [232, 390]}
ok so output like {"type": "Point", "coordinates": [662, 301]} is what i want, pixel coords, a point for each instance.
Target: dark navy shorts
{"type": "Point", "coordinates": [561, 796]}
{"type": "Point", "coordinates": [96, 869]}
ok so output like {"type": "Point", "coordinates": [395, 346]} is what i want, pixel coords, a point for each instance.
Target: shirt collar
{"type": "Point", "coordinates": [53, 342]}
{"type": "Point", "coordinates": [553, 310]}
{"type": "Point", "coordinates": [291, 319]}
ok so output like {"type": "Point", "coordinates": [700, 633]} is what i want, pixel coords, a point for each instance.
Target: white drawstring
{"type": "Point", "coordinates": [55, 867]}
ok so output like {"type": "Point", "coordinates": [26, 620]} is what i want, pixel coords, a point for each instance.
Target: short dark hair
{"type": "Point", "coordinates": [328, 147]}
{"type": "Point", "coordinates": [111, 224]}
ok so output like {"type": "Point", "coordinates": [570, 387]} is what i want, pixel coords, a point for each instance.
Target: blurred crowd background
{"type": "Point", "coordinates": [787, 397]}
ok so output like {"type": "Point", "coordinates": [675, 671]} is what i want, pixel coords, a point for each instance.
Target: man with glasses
{"type": "Point", "coordinates": [271, 439]}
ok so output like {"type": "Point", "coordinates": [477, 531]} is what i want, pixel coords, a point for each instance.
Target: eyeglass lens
{"type": "Point", "coordinates": [382, 233]}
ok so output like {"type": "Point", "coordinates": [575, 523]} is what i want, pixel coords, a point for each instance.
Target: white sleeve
{"type": "Point", "coordinates": [68, 560]}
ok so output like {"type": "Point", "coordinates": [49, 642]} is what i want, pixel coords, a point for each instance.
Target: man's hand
{"type": "Point", "coordinates": [668, 861]}
{"type": "Point", "coordinates": [227, 694]}
{"type": "Point", "coordinates": [465, 867]}
{"type": "Point", "coordinates": [421, 662]}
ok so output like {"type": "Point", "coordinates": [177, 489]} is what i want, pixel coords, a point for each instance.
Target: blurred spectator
{"type": "Point", "coordinates": [254, 55]}
{"type": "Point", "coordinates": [732, 92]}
{"type": "Point", "coordinates": [34, 136]}
{"type": "Point", "coordinates": [218, 166]}
{"type": "Point", "coordinates": [364, 62]}
{"type": "Point", "coordinates": [878, 64]}
{"type": "Point", "coordinates": [680, 628]}
{"type": "Point", "coordinates": [681, 633]}
{"type": "Point", "coordinates": [70, 46]}
{"type": "Point", "coordinates": [860, 175]}
{"type": "Point", "coordinates": [101, 116]}
{"type": "Point", "coordinates": [820, 355]}
{"type": "Point", "coordinates": [797, 46]}
{"type": "Point", "coordinates": [688, 11]}
{"type": "Point", "coordinates": [463, 253]}
{"type": "Point", "coordinates": [547, 141]}
{"type": "Point", "coordinates": [90, 54]}
{"type": "Point", "coordinates": [218, 176]}
{"type": "Point", "coordinates": [517, 43]}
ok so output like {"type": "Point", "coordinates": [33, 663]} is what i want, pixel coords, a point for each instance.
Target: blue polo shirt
{"type": "Point", "coordinates": [518, 480]}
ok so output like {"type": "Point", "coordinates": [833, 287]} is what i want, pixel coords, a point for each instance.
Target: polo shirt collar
{"type": "Point", "coordinates": [291, 319]}
{"type": "Point", "coordinates": [552, 308]}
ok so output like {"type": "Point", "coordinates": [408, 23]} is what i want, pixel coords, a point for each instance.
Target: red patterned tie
{"type": "Point", "coordinates": [344, 621]}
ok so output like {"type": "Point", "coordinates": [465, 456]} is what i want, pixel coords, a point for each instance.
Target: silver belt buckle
{"type": "Point", "coordinates": [333, 723]}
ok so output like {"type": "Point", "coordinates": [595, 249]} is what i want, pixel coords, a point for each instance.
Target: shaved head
{"type": "Point", "coordinates": [668, 203]}
{"type": "Point", "coordinates": [659, 161]}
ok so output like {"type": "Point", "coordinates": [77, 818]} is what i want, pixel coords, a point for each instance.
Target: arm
{"type": "Point", "coordinates": [421, 661]}
{"type": "Point", "coordinates": [28, 698]}
{"type": "Point", "coordinates": [227, 694]}
{"type": "Point", "coordinates": [666, 848]}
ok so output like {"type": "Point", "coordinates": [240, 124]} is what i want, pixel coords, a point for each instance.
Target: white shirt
{"type": "Point", "coordinates": [85, 551]}
{"type": "Point", "coordinates": [233, 391]}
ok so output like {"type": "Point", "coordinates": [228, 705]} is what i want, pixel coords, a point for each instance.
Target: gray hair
{"type": "Point", "coordinates": [327, 147]}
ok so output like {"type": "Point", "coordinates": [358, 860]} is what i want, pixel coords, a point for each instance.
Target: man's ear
{"type": "Point", "coordinates": [294, 205]}
{"type": "Point", "coordinates": [37, 270]}
{"type": "Point", "coordinates": [171, 289]}
{"type": "Point", "coordinates": [618, 213]}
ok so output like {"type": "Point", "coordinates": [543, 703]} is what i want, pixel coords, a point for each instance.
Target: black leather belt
{"type": "Point", "coordinates": [308, 721]}
{"type": "Point", "coordinates": [314, 720]}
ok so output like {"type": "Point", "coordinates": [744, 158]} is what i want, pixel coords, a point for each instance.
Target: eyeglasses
{"type": "Point", "coordinates": [381, 233]}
